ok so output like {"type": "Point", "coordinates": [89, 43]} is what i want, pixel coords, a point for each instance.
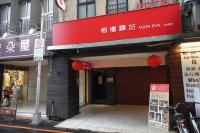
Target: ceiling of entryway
{"type": "Point", "coordinates": [124, 60]}
{"type": "Point", "coordinates": [23, 63]}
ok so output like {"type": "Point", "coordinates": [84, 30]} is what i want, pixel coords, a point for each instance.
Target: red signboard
{"type": "Point", "coordinates": [165, 20]}
{"type": "Point", "coordinates": [159, 87]}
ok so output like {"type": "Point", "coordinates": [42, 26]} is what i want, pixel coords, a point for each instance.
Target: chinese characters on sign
{"type": "Point", "coordinates": [133, 27]}
{"type": "Point", "coordinates": [191, 72]}
{"type": "Point", "coordinates": [158, 103]}
{"type": "Point", "coordinates": [119, 28]}
{"type": "Point", "coordinates": [18, 46]}
{"type": "Point", "coordinates": [25, 45]}
{"type": "Point", "coordinates": [10, 48]}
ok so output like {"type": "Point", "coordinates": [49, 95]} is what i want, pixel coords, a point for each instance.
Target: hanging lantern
{"type": "Point", "coordinates": [77, 65]}
{"type": "Point", "coordinates": [154, 61]}
{"type": "Point", "coordinates": [81, 65]}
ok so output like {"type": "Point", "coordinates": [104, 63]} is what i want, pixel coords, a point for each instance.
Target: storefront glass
{"type": "Point", "coordinates": [17, 80]}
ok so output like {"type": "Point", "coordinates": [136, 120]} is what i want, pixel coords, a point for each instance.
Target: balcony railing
{"type": "Point", "coordinates": [47, 21]}
{"type": "Point", "coordinates": [122, 7]}
{"type": "Point", "coordinates": [4, 27]}
{"type": "Point", "coordinates": [155, 3]}
{"type": "Point", "coordinates": [23, 26]}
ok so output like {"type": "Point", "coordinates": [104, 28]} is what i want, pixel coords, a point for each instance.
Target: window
{"type": "Point", "coordinates": [48, 14]}
{"type": "Point", "coordinates": [48, 6]}
{"type": "Point", "coordinates": [5, 14]}
{"type": "Point", "coordinates": [4, 19]}
{"type": "Point", "coordinates": [86, 8]}
{"type": "Point", "coordinates": [116, 6]}
{"type": "Point", "coordinates": [25, 9]}
{"type": "Point", "coordinates": [25, 13]}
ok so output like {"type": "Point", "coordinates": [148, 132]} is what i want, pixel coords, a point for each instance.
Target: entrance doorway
{"type": "Point", "coordinates": [103, 86]}
{"type": "Point", "coordinates": [125, 85]}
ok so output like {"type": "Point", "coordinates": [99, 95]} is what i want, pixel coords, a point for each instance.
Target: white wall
{"type": "Point", "coordinates": [81, 88]}
{"type": "Point", "coordinates": [132, 4]}
{"type": "Point", "coordinates": [126, 60]}
{"type": "Point", "coordinates": [70, 13]}
{"type": "Point", "coordinates": [32, 83]}
{"type": "Point", "coordinates": [100, 7]}
{"type": "Point", "coordinates": [71, 9]}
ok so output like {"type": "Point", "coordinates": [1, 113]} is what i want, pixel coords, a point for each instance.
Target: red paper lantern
{"type": "Point", "coordinates": [77, 65]}
{"type": "Point", "coordinates": [154, 61]}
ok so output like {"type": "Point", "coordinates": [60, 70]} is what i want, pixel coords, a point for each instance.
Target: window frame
{"type": "Point", "coordinates": [88, 2]}
{"type": "Point", "coordinates": [8, 14]}
{"type": "Point", "coordinates": [48, 7]}
{"type": "Point", "coordinates": [117, 7]}
{"type": "Point", "coordinates": [48, 16]}
{"type": "Point", "coordinates": [26, 17]}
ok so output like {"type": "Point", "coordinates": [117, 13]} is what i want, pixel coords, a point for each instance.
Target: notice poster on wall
{"type": "Point", "coordinates": [190, 61]}
{"type": "Point", "coordinates": [158, 103]}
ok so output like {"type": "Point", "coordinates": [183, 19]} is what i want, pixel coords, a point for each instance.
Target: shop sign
{"type": "Point", "coordinates": [158, 103]}
{"type": "Point", "coordinates": [22, 46]}
{"type": "Point", "coordinates": [129, 25]}
{"type": "Point", "coordinates": [190, 61]}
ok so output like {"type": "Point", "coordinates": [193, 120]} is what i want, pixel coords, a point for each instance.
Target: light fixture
{"type": "Point", "coordinates": [190, 44]}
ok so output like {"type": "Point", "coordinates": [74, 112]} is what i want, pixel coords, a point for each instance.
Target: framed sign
{"type": "Point", "coordinates": [190, 60]}
{"type": "Point", "coordinates": [158, 103]}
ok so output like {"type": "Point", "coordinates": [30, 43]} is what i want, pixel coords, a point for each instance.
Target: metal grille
{"type": "Point", "coordinates": [48, 22]}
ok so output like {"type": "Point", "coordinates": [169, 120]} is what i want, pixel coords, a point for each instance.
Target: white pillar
{"type": "Point", "coordinates": [81, 88]}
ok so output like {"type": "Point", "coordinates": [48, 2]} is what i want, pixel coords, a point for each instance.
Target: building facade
{"type": "Point", "coordinates": [116, 37]}
{"type": "Point", "coordinates": [98, 32]}
{"type": "Point", "coordinates": [20, 22]}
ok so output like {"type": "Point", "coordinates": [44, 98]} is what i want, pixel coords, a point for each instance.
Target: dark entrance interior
{"type": "Point", "coordinates": [126, 86]}
{"type": "Point", "coordinates": [103, 86]}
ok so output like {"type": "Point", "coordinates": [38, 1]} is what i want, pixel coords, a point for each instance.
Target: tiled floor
{"type": "Point", "coordinates": [113, 119]}
{"type": "Point", "coordinates": [27, 108]}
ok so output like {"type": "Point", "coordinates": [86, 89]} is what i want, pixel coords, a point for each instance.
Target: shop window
{"type": "Point", "coordinates": [86, 8]}
{"type": "Point", "coordinates": [4, 18]}
{"type": "Point", "coordinates": [116, 6]}
{"type": "Point", "coordinates": [17, 81]}
{"type": "Point", "coordinates": [25, 13]}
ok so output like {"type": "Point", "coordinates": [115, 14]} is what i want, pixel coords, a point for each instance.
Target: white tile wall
{"type": "Point", "coordinates": [32, 83]}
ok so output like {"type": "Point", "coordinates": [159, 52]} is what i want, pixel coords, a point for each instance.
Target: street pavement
{"type": "Point", "coordinates": [25, 126]}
